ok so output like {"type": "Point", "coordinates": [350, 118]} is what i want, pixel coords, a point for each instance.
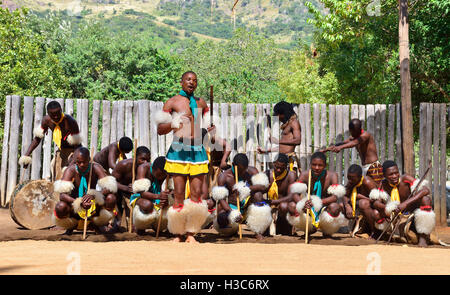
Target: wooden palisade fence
{"type": "Point", "coordinates": [103, 122]}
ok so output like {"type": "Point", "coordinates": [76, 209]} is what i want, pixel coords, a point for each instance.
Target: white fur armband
{"type": "Point", "coordinates": [233, 216]}
{"type": "Point", "coordinates": [298, 188]}
{"type": "Point", "coordinates": [74, 139]}
{"type": "Point", "coordinates": [24, 160]}
{"type": "Point", "coordinates": [162, 117]}
{"type": "Point", "coordinates": [109, 183]}
{"type": "Point", "coordinates": [177, 119]}
{"type": "Point", "coordinates": [260, 179]}
{"type": "Point", "coordinates": [376, 194]}
{"type": "Point", "coordinates": [219, 193]}
{"type": "Point", "coordinates": [316, 202]}
{"type": "Point", "coordinates": [423, 185]}
{"type": "Point", "coordinates": [38, 132]}
{"type": "Point", "coordinates": [390, 207]}
{"type": "Point", "coordinates": [337, 190]}
{"type": "Point", "coordinates": [243, 190]}
{"type": "Point", "coordinates": [141, 185]}
{"type": "Point", "coordinates": [63, 186]}
{"type": "Point", "coordinates": [98, 196]}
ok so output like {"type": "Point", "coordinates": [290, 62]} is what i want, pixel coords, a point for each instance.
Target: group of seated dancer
{"type": "Point", "coordinates": [194, 186]}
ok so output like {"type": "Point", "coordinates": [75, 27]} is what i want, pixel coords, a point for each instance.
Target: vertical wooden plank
{"type": "Point", "coordinates": [232, 130]}
{"type": "Point", "coordinates": [120, 119]}
{"type": "Point", "coordinates": [79, 115]}
{"type": "Point", "coordinates": [362, 118]}
{"type": "Point", "coordinates": [377, 134]}
{"type": "Point", "coordinates": [298, 148]}
{"type": "Point", "coordinates": [13, 146]}
{"type": "Point", "coordinates": [332, 136]}
{"type": "Point", "coordinates": [37, 153]}
{"type": "Point", "coordinates": [339, 138]}
{"type": "Point", "coordinates": [113, 131]}
{"type": "Point", "coordinates": [106, 120]}
{"type": "Point", "coordinates": [308, 134]}
{"type": "Point", "coordinates": [224, 111]}
{"type": "Point", "coordinates": [136, 121]}
{"type": "Point", "coordinates": [436, 175]}
{"type": "Point", "coordinates": [346, 132]}
{"type": "Point", "coordinates": [81, 120]}
{"type": "Point", "coordinates": [275, 120]}
{"type": "Point", "coordinates": [383, 133]}
{"type": "Point", "coordinates": [316, 131]}
{"type": "Point", "coordinates": [250, 138]}
{"type": "Point", "coordinates": [422, 131]}
{"type": "Point", "coordinates": [354, 115]}
{"type": "Point", "coordinates": [267, 134]}
{"type": "Point", "coordinates": [27, 126]}
{"type": "Point", "coordinates": [129, 123]}
{"type": "Point", "coordinates": [47, 148]}
{"type": "Point", "coordinates": [85, 128]}
{"type": "Point", "coordinates": [443, 164]}
{"type": "Point", "coordinates": [391, 131]}
{"type": "Point", "coordinates": [429, 138]}
{"type": "Point", "coordinates": [398, 138]}
{"type": "Point", "coordinates": [94, 125]}
{"type": "Point", "coordinates": [371, 119]}
{"type": "Point", "coordinates": [259, 135]}
{"type": "Point", "coordinates": [240, 128]}
{"type": "Point", "coordinates": [5, 145]}
{"type": "Point", "coordinates": [129, 119]}
{"type": "Point", "coordinates": [217, 120]}
{"type": "Point", "coordinates": [144, 123]}
{"type": "Point", "coordinates": [68, 108]}
{"type": "Point", "coordinates": [302, 151]}
{"type": "Point", "coordinates": [158, 143]}
{"type": "Point", "coordinates": [323, 126]}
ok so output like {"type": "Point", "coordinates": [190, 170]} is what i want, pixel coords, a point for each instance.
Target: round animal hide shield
{"type": "Point", "coordinates": [32, 204]}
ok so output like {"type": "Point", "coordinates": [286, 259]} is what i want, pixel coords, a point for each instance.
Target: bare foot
{"type": "Point", "coordinates": [177, 239]}
{"type": "Point", "coordinates": [191, 239]}
{"type": "Point", "coordinates": [259, 237]}
{"type": "Point", "coordinates": [422, 241]}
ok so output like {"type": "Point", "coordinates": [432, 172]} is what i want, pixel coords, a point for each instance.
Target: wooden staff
{"type": "Point", "coordinates": [89, 186]}
{"type": "Point", "coordinates": [238, 201]}
{"type": "Point", "coordinates": [133, 177]}
{"type": "Point", "coordinates": [307, 211]}
{"type": "Point", "coordinates": [162, 209]}
{"type": "Point", "coordinates": [211, 104]}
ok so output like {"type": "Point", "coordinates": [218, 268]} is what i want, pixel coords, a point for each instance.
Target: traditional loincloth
{"type": "Point", "coordinates": [374, 170]}
{"type": "Point", "coordinates": [184, 159]}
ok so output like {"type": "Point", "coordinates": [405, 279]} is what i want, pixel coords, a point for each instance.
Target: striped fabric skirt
{"type": "Point", "coordinates": [185, 159]}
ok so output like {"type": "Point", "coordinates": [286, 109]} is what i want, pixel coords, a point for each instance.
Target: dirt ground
{"type": "Point", "coordinates": [50, 252]}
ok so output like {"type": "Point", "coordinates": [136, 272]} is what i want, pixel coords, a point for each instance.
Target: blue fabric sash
{"type": "Point", "coordinates": [192, 103]}
{"type": "Point", "coordinates": [83, 188]}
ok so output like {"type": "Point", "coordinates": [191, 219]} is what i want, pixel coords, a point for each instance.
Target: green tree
{"type": "Point", "coordinates": [28, 66]}
{"type": "Point", "coordinates": [243, 69]}
{"type": "Point", "coordinates": [303, 82]}
{"type": "Point", "coordinates": [101, 65]}
{"type": "Point", "coordinates": [361, 49]}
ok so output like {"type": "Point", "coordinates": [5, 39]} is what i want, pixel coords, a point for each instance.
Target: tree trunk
{"type": "Point", "coordinates": [407, 124]}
